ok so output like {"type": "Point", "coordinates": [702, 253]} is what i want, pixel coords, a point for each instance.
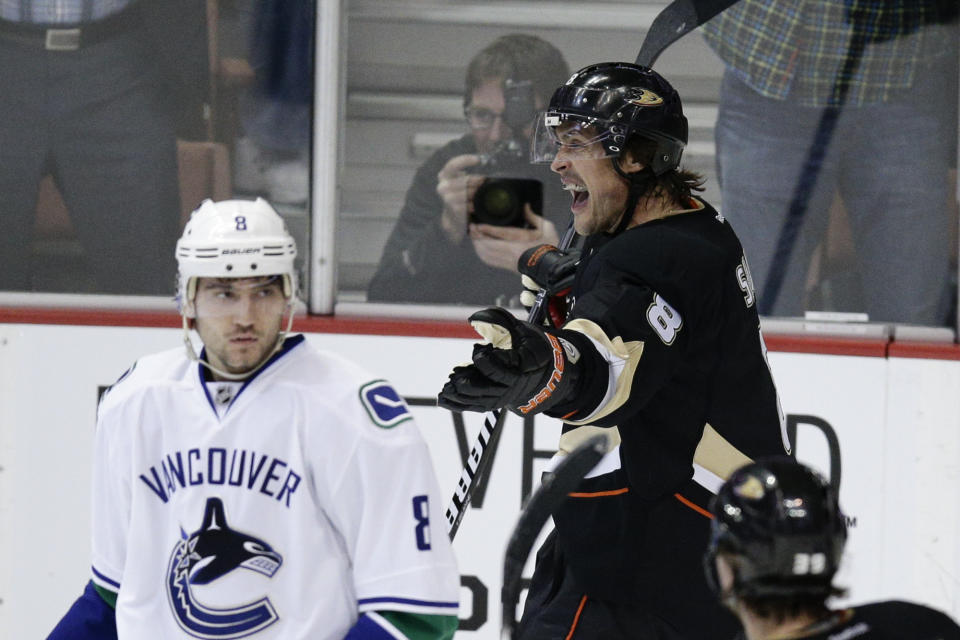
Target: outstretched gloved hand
{"type": "Point", "coordinates": [521, 367]}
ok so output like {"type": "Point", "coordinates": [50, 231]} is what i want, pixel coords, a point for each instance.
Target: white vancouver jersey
{"type": "Point", "coordinates": [312, 498]}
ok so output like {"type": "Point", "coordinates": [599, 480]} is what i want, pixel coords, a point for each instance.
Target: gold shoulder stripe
{"type": "Point", "coordinates": [717, 455]}
{"type": "Point", "coordinates": [629, 352]}
{"type": "Point", "coordinates": [575, 437]}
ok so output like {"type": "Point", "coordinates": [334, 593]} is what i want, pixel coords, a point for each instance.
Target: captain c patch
{"type": "Point", "coordinates": [384, 405]}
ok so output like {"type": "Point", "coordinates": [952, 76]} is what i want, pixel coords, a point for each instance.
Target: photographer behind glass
{"type": "Point", "coordinates": [475, 205]}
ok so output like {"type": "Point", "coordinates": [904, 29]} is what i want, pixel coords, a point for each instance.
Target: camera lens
{"type": "Point", "coordinates": [499, 203]}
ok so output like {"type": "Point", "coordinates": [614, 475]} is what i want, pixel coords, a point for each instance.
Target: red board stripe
{"type": "Point", "coordinates": [868, 347]}
{"type": "Point", "coordinates": [364, 325]}
{"type": "Point", "coordinates": [925, 350]}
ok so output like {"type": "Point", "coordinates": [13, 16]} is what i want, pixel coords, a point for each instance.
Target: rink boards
{"type": "Point", "coordinates": [883, 420]}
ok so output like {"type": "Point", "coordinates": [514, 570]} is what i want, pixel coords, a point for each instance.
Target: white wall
{"type": "Point", "coordinates": [897, 420]}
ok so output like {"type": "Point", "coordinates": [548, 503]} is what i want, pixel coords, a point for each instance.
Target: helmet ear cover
{"type": "Point", "coordinates": [188, 305]}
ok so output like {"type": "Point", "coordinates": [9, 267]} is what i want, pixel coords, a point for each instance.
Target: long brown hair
{"type": "Point", "coordinates": [676, 184]}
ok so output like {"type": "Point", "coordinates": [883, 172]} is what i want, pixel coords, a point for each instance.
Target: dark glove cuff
{"type": "Point", "coordinates": [588, 385]}
{"type": "Point", "coordinates": [551, 268]}
{"type": "Point", "coordinates": [555, 385]}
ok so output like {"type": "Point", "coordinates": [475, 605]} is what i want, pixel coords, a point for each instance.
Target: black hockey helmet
{"type": "Point", "coordinates": [616, 100]}
{"type": "Point", "coordinates": [782, 521]}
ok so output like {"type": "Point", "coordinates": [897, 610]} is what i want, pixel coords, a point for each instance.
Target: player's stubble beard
{"type": "Point", "coordinates": [600, 213]}
{"type": "Point", "coordinates": [226, 353]}
{"type": "Point", "coordinates": [602, 206]}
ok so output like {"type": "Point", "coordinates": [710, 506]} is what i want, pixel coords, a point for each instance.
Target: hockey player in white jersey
{"type": "Point", "coordinates": [261, 488]}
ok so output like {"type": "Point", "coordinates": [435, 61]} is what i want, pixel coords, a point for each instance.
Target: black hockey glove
{"type": "Point", "coordinates": [547, 268]}
{"type": "Point", "coordinates": [521, 367]}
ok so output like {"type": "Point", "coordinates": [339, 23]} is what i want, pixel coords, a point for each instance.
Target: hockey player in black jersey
{"type": "Point", "coordinates": [660, 346]}
{"type": "Point", "coordinates": [777, 539]}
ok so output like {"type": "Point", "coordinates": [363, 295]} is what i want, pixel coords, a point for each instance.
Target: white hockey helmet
{"type": "Point", "coordinates": [234, 239]}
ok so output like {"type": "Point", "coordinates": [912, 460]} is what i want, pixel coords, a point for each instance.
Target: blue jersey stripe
{"type": "Point", "coordinates": [419, 603]}
{"type": "Point", "coordinates": [105, 578]}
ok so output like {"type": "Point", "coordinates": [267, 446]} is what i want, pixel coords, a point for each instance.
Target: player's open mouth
{"type": "Point", "coordinates": [580, 195]}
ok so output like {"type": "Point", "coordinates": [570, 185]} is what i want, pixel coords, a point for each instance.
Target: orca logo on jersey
{"type": "Point", "coordinates": [207, 554]}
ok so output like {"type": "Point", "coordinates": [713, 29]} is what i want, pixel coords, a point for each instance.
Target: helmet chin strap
{"type": "Point", "coordinates": [192, 354]}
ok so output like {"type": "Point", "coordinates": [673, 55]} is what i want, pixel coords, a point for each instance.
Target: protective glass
{"type": "Point", "coordinates": [239, 297]}
{"type": "Point", "coordinates": [575, 136]}
{"type": "Point", "coordinates": [481, 119]}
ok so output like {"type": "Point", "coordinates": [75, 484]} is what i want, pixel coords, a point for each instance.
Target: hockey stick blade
{"type": "Point", "coordinates": [478, 459]}
{"type": "Point", "coordinates": [545, 500]}
{"type": "Point", "coordinates": [677, 19]}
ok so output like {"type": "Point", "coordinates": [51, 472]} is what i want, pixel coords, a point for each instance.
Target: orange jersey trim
{"type": "Point", "coordinates": [599, 494]}
{"type": "Point", "coordinates": [693, 506]}
{"type": "Point", "coordinates": [576, 618]}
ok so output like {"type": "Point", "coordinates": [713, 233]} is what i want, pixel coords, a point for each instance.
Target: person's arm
{"type": "Point", "coordinates": [623, 343]}
{"type": "Point", "coordinates": [406, 581]}
{"type": "Point", "coordinates": [390, 625]}
{"type": "Point", "coordinates": [91, 617]}
{"type": "Point", "coordinates": [640, 339]}
{"type": "Point", "coordinates": [411, 267]}
{"type": "Point", "coordinates": [401, 272]}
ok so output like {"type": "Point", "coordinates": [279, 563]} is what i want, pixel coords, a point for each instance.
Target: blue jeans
{"type": "Point", "coordinates": [888, 162]}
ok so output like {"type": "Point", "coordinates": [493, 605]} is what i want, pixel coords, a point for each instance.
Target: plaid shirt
{"type": "Point", "coordinates": [59, 12]}
{"type": "Point", "coordinates": [798, 47]}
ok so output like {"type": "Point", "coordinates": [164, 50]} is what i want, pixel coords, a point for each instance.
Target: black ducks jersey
{"type": "Point", "coordinates": [679, 377]}
{"type": "Point", "coordinates": [670, 306]}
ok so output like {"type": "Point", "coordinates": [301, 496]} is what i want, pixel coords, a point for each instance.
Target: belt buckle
{"type": "Point", "coordinates": [62, 39]}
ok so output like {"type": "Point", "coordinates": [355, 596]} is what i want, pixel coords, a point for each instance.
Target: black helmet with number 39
{"type": "Point", "coordinates": [608, 103]}
{"type": "Point", "coordinates": [781, 522]}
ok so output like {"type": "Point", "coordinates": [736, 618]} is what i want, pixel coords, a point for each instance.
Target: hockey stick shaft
{"type": "Point", "coordinates": [474, 473]}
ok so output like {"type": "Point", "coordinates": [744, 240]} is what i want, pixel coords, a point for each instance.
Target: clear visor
{"type": "Point", "coordinates": [572, 135]}
{"type": "Point", "coordinates": [238, 297]}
